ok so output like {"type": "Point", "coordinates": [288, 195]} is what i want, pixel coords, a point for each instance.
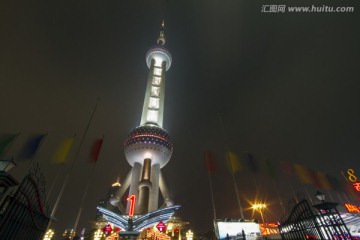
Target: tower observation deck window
{"type": "Point", "coordinates": [154, 103]}
{"type": "Point", "coordinates": [152, 116]}
{"type": "Point", "coordinates": [157, 71]}
{"type": "Point", "coordinates": [156, 80]}
{"type": "Point", "coordinates": [155, 91]}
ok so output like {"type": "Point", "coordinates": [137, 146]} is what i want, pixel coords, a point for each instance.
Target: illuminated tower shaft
{"type": "Point", "coordinates": [148, 147]}
{"type": "Point", "coordinates": [153, 108]}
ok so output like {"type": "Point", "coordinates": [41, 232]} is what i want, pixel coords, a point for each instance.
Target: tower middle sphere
{"type": "Point", "coordinates": [148, 142]}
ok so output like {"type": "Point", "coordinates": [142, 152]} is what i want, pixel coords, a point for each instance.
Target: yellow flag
{"type": "Point", "coordinates": [303, 173]}
{"type": "Point", "coordinates": [63, 151]}
{"type": "Point", "coordinates": [233, 162]}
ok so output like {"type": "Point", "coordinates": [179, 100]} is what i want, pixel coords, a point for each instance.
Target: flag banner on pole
{"type": "Point", "coordinates": [251, 163]}
{"type": "Point", "coordinates": [323, 180]}
{"type": "Point", "coordinates": [63, 151]}
{"type": "Point", "coordinates": [31, 146]}
{"type": "Point", "coordinates": [303, 174]}
{"type": "Point", "coordinates": [335, 184]}
{"type": "Point", "coordinates": [233, 162]}
{"type": "Point", "coordinates": [316, 182]}
{"type": "Point", "coordinates": [270, 165]}
{"type": "Point", "coordinates": [95, 150]}
{"type": "Point", "coordinates": [210, 161]}
{"type": "Point", "coordinates": [5, 140]}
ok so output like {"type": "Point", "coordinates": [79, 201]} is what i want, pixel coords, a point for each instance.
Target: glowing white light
{"type": "Point", "coordinates": [155, 91]}
{"type": "Point", "coordinates": [154, 103]}
{"type": "Point", "coordinates": [189, 235]}
{"type": "Point", "coordinates": [152, 116]}
{"type": "Point", "coordinates": [98, 234]}
{"type": "Point", "coordinates": [158, 61]}
{"type": "Point", "coordinates": [147, 156]}
{"type": "Point", "coordinates": [156, 80]}
{"type": "Point", "coordinates": [49, 234]}
{"type": "Point", "coordinates": [157, 71]}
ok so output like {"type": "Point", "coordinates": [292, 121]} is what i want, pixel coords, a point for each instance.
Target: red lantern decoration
{"type": "Point", "coordinates": [161, 227]}
{"type": "Point", "coordinates": [107, 229]}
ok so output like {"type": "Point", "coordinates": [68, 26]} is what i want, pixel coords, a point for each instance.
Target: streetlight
{"type": "Point", "coordinates": [259, 207]}
{"type": "Point", "coordinates": [320, 196]}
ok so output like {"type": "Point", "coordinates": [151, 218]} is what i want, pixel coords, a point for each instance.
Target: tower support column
{"type": "Point", "coordinates": [154, 193]}
{"type": "Point", "coordinates": [144, 188]}
{"type": "Point", "coordinates": [134, 187]}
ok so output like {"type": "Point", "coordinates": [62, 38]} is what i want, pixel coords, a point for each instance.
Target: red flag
{"type": "Point", "coordinates": [95, 150]}
{"type": "Point", "coordinates": [210, 162]}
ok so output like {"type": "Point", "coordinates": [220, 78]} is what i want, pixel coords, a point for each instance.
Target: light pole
{"type": "Point", "coordinates": [259, 207]}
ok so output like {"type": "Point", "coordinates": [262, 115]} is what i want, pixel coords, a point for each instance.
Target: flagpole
{"type": "Point", "coordinates": [278, 194]}
{"type": "Point", "coordinates": [212, 195]}
{"type": "Point", "coordinates": [53, 185]}
{"type": "Point", "coordinates": [83, 199]}
{"type": "Point", "coordinates": [232, 172]}
{"type": "Point", "coordinates": [237, 193]}
{"type": "Point", "coordinates": [86, 191]}
{"type": "Point", "coordinates": [293, 192]}
{"type": "Point", "coordinates": [72, 165]}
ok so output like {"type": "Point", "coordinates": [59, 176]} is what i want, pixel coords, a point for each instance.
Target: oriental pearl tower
{"type": "Point", "coordinates": [148, 148]}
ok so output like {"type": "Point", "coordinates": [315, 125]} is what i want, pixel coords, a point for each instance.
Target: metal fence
{"type": "Point", "coordinates": [304, 223]}
{"type": "Point", "coordinates": [23, 215]}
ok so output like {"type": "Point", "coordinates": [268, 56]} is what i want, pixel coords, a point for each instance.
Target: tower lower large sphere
{"type": "Point", "coordinates": [148, 142]}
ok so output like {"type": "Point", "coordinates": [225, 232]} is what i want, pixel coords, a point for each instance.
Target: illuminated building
{"type": "Point", "coordinates": [49, 235]}
{"type": "Point", "coordinates": [106, 202]}
{"type": "Point", "coordinates": [148, 148]}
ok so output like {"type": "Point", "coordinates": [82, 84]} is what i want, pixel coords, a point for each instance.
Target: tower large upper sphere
{"type": "Point", "coordinates": [148, 142]}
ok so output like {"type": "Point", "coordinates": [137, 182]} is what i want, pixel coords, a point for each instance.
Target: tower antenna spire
{"type": "Point", "coordinates": [161, 39]}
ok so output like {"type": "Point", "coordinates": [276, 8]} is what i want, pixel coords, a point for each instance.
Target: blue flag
{"type": "Point", "coordinates": [30, 147]}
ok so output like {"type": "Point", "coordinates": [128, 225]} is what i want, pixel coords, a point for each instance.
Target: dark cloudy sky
{"type": "Point", "coordinates": [286, 86]}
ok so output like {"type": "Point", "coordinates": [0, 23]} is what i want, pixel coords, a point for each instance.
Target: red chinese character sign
{"type": "Point", "coordinates": [161, 226]}
{"type": "Point", "coordinates": [352, 208]}
{"type": "Point", "coordinates": [107, 229]}
{"type": "Point", "coordinates": [132, 204]}
{"type": "Point", "coordinates": [356, 185]}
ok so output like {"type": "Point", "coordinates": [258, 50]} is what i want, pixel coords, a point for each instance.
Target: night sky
{"type": "Point", "coordinates": [286, 86]}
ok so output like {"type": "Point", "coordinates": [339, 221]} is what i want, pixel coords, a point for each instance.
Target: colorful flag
{"type": "Point", "coordinates": [233, 162]}
{"type": "Point", "coordinates": [335, 184]}
{"type": "Point", "coordinates": [95, 150]}
{"type": "Point", "coordinates": [5, 140]}
{"type": "Point", "coordinates": [209, 161]}
{"type": "Point", "coordinates": [63, 150]}
{"type": "Point", "coordinates": [271, 168]}
{"type": "Point", "coordinates": [251, 163]}
{"type": "Point", "coordinates": [323, 180]}
{"type": "Point", "coordinates": [303, 174]}
{"type": "Point", "coordinates": [31, 146]}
